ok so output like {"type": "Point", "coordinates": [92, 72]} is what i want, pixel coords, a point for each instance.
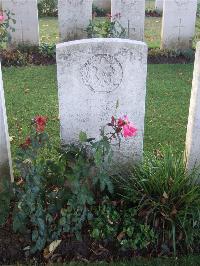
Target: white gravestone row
{"type": "Point", "coordinates": [5, 156]}
{"type": "Point", "coordinates": [74, 17]}
{"type": "Point", "coordinates": [26, 16]}
{"type": "Point", "coordinates": [131, 16]}
{"type": "Point", "coordinates": [93, 75]}
{"type": "Point", "coordinates": [178, 24]}
{"type": "Point", "coordinates": [193, 128]}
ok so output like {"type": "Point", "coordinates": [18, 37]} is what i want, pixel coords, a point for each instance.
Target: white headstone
{"type": "Point", "coordinates": [26, 16]}
{"type": "Point", "coordinates": [193, 128]}
{"type": "Point", "coordinates": [159, 5]}
{"type": "Point", "coordinates": [131, 15]}
{"type": "Point", "coordinates": [74, 17]}
{"type": "Point", "coordinates": [93, 75]}
{"type": "Point", "coordinates": [5, 156]}
{"type": "Point", "coordinates": [178, 24]}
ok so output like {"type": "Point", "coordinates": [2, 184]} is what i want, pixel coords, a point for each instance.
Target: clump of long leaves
{"type": "Point", "coordinates": [167, 199]}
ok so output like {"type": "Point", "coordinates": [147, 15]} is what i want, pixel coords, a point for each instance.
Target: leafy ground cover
{"type": "Point", "coordinates": [49, 30]}
{"type": "Point", "coordinates": [58, 200]}
{"type": "Point", "coordinates": [33, 90]}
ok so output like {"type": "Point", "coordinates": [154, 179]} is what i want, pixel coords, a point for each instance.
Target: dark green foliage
{"type": "Point", "coordinates": [105, 29]}
{"type": "Point", "coordinates": [48, 8]}
{"type": "Point", "coordinates": [106, 221]}
{"type": "Point", "coordinates": [167, 199]}
{"type": "Point", "coordinates": [5, 199]}
{"type": "Point", "coordinates": [155, 55]}
{"type": "Point", "coordinates": [25, 55]}
{"type": "Point", "coordinates": [48, 50]}
{"type": "Point", "coordinates": [149, 12]}
{"type": "Point", "coordinates": [54, 196]}
{"type": "Point", "coordinates": [99, 12]}
{"type": "Point", "coordinates": [198, 9]}
{"type": "Point", "coordinates": [5, 27]}
{"type": "Point", "coordinates": [45, 54]}
{"type": "Point", "coordinates": [116, 222]}
{"type": "Point", "coordinates": [137, 234]}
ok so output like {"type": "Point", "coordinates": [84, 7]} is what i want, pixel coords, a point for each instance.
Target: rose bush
{"type": "Point", "coordinates": [55, 197]}
{"type": "Point", "coordinates": [6, 17]}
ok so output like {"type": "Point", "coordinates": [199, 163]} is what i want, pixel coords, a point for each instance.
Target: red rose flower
{"type": "Point", "coordinates": [40, 122]}
{"type": "Point", "coordinates": [27, 143]}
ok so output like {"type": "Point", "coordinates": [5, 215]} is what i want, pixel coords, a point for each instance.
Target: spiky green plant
{"type": "Point", "coordinates": [167, 198]}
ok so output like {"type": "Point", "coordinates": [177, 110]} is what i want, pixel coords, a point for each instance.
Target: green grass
{"type": "Point", "coordinates": [167, 105]}
{"type": "Point", "coordinates": [152, 31]}
{"type": "Point", "coordinates": [185, 261]}
{"type": "Point", "coordinates": [33, 90]}
{"type": "Point", "coordinates": [30, 91]}
{"type": "Point", "coordinates": [49, 31]}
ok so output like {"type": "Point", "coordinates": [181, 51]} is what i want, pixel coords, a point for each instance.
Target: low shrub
{"type": "Point", "coordinates": [106, 29]}
{"type": "Point", "coordinates": [54, 197]}
{"type": "Point", "coordinates": [198, 9]}
{"type": "Point", "coordinates": [5, 199]}
{"type": "Point", "coordinates": [6, 17]}
{"type": "Point", "coordinates": [47, 50]}
{"type": "Point", "coordinates": [152, 13]}
{"type": "Point", "coordinates": [48, 8]}
{"type": "Point", "coordinates": [45, 54]}
{"type": "Point", "coordinates": [113, 221]}
{"type": "Point", "coordinates": [157, 56]}
{"type": "Point", "coordinates": [98, 12]}
{"type": "Point", "coordinates": [69, 193]}
{"type": "Point", "coordinates": [24, 55]}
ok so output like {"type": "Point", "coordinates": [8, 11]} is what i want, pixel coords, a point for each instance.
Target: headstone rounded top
{"type": "Point", "coordinates": [75, 3]}
{"type": "Point", "coordinates": [132, 2]}
{"type": "Point", "coordinates": [101, 40]}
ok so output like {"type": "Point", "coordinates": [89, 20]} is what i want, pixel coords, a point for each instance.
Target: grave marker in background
{"type": "Point", "coordinates": [5, 156]}
{"type": "Point", "coordinates": [26, 16]}
{"type": "Point", "coordinates": [131, 16]}
{"type": "Point", "coordinates": [74, 17]}
{"type": "Point", "coordinates": [92, 76]}
{"type": "Point", "coordinates": [193, 128]}
{"type": "Point", "coordinates": [159, 5]}
{"type": "Point", "coordinates": [178, 24]}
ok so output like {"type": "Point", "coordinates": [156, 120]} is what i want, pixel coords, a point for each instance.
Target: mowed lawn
{"type": "Point", "coordinates": [32, 90]}
{"type": "Point", "coordinates": [49, 31]}
{"type": "Point", "coordinates": [184, 261]}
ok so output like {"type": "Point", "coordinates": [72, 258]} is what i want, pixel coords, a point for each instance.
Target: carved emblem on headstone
{"type": "Point", "coordinates": [132, 2]}
{"type": "Point", "coordinates": [181, 2]}
{"type": "Point", "coordinates": [102, 73]}
{"type": "Point", "coordinates": [19, 2]}
{"type": "Point", "coordinates": [75, 2]}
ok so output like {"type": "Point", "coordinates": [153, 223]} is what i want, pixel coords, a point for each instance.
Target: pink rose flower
{"type": "Point", "coordinates": [128, 129]}
{"type": "Point", "coordinates": [1, 18]}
